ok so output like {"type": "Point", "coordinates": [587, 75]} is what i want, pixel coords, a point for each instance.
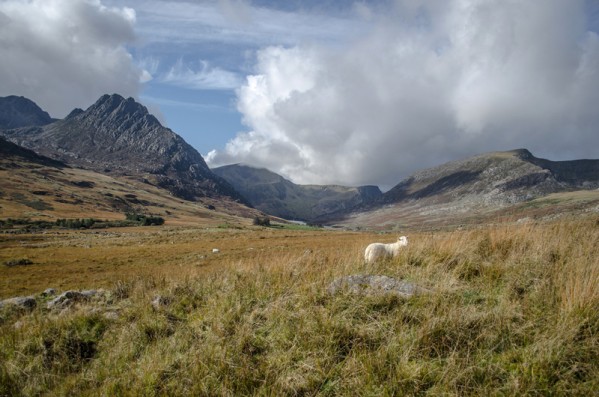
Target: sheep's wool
{"type": "Point", "coordinates": [377, 251]}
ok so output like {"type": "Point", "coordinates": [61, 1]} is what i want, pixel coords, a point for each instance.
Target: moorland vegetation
{"type": "Point", "coordinates": [512, 311]}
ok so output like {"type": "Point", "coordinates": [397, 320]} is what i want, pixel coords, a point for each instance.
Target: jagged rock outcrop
{"type": "Point", "coordinates": [367, 284]}
{"type": "Point", "coordinates": [24, 302]}
{"type": "Point", "coordinates": [18, 111]}
{"type": "Point", "coordinates": [118, 136]}
{"type": "Point", "coordinates": [275, 195]}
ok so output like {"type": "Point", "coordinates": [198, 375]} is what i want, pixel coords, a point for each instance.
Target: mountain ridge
{"type": "Point", "coordinates": [273, 194]}
{"type": "Point", "coordinates": [18, 111]}
{"type": "Point", "coordinates": [119, 136]}
{"type": "Point", "coordinates": [475, 188]}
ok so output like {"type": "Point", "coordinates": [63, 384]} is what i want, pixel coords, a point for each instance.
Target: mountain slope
{"type": "Point", "coordinates": [119, 137]}
{"type": "Point", "coordinates": [480, 186]}
{"type": "Point", "coordinates": [278, 196]}
{"type": "Point", "coordinates": [36, 187]}
{"type": "Point", "coordinates": [18, 111]}
{"type": "Point", "coordinates": [496, 179]}
{"type": "Point", "coordinates": [13, 155]}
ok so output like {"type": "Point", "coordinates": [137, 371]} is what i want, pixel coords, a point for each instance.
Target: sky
{"type": "Point", "coordinates": [323, 92]}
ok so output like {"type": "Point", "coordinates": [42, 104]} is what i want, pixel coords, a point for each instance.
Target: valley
{"type": "Point", "coordinates": [502, 252]}
{"type": "Point", "coordinates": [64, 259]}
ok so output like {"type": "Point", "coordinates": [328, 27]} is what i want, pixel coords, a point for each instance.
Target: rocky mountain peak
{"type": "Point", "coordinates": [117, 113]}
{"type": "Point", "coordinates": [18, 111]}
{"type": "Point", "coordinates": [522, 154]}
{"type": "Point", "coordinates": [120, 136]}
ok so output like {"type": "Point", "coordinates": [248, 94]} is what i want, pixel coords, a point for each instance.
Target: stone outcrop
{"type": "Point", "coordinates": [375, 285]}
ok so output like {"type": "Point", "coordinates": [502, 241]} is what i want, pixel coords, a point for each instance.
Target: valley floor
{"type": "Point", "coordinates": [512, 310]}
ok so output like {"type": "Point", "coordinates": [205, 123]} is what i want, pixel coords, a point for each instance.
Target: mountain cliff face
{"type": "Point", "coordinates": [273, 194]}
{"type": "Point", "coordinates": [495, 179]}
{"type": "Point", "coordinates": [18, 111]}
{"type": "Point", "coordinates": [118, 136]}
{"type": "Point", "coordinates": [474, 187]}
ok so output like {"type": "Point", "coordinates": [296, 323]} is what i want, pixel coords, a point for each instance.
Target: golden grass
{"type": "Point", "coordinates": [513, 311]}
{"type": "Point", "coordinates": [38, 192]}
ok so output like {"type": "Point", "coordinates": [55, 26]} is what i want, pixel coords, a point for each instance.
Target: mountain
{"type": "Point", "coordinates": [9, 151]}
{"type": "Point", "coordinates": [118, 136]}
{"type": "Point", "coordinates": [275, 195]}
{"type": "Point", "coordinates": [18, 111]}
{"type": "Point", "coordinates": [37, 187]}
{"type": "Point", "coordinates": [497, 178]}
{"type": "Point", "coordinates": [482, 186]}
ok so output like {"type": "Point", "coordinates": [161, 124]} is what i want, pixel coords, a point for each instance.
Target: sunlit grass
{"type": "Point", "coordinates": [512, 312]}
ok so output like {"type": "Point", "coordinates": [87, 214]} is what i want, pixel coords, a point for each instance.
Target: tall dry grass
{"type": "Point", "coordinates": [513, 311]}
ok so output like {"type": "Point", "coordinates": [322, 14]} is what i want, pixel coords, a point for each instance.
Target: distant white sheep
{"type": "Point", "coordinates": [377, 251]}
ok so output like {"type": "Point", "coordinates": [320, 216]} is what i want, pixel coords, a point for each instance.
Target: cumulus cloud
{"type": "Point", "coordinates": [434, 81]}
{"type": "Point", "coordinates": [66, 53]}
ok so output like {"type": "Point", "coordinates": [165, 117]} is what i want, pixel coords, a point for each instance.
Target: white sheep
{"type": "Point", "coordinates": [380, 250]}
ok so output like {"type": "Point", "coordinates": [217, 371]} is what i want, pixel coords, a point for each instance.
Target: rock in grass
{"type": "Point", "coordinates": [48, 292]}
{"type": "Point", "coordinates": [160, 301]}
{"type": "Point", "coordinates": [26, 302]}
{"type": "Point", "coordinates": [374, 285]}
{"type": "Point", "coordinates": [67, 298]}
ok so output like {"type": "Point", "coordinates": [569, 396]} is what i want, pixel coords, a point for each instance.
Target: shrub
{"type": "Point", "coordinates": [18, 262]}
{"type": "Point", "coordinates": [262, 221]}
{"type": "Point", "coordinates": [144, 220]}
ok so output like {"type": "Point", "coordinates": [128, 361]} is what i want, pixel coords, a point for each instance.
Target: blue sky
{"type": "Point", "coordinates": [347, 92]}
{"type": "Point", "coordinates": [199, 53]}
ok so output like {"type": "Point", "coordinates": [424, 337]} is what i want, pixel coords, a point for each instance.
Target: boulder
{"type": "Point", "coordinates": [67, 298]}
{"type": "Point", "coordinates": [375, 285]}
{"type": "Point", "coordinates": [48, 292]}
{"type": "Point", "coordinates": [26, 302]}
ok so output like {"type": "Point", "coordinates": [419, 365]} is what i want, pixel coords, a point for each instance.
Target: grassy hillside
{"type": "Point", "coordinates": [513, 311]}
{"type": "Point", "coordinates": [36, 189]}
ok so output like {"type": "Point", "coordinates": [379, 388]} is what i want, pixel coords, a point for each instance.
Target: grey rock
{"type": "Point", "coordinates": [160, 301]}
{"type": "Point", "coordinates": [49, 292]}
{"type": "Point", "coordinates": [26, 302]}
{"type": "Point", "coordinates": [90, 293]}
{"type": "Point", "coordinates": [67, 298]}
{"type": "Point", "coordinates": [111, 315]}
{"type": "Point", "coordinates": [375, 285]}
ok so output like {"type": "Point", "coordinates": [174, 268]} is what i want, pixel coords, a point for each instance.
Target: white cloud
{"type": "Point", "coordinates": [206, 78]}
{"type": "Point", "coordinates": [434, 81]}
{"type": "Point", "coordinates": [236, 22]}
{"type": "Point", "coordinates": [66, 53]}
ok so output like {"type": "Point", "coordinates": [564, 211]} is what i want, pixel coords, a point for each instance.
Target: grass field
{"type": "Point", "coordinates": [513, 311]}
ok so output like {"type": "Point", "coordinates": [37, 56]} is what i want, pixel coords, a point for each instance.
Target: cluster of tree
{"type": "Point", "coordinates": [77, 223]}
{"type": "Point", "coordinates": [11, 223]}
{"type": "Point", "coordinates": [144, 220]}
{"type": "Point", "coordinates": [131, 219]}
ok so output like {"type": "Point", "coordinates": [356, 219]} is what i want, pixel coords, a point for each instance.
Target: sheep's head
{"type": "Point", "coordinates": [403, 240]}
